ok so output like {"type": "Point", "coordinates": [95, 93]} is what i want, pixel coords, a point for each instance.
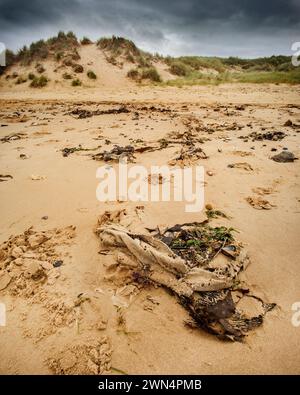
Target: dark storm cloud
{"type": "Point", "coordinates": [219, 27]}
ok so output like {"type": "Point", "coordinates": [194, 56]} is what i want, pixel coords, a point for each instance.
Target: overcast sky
{"type": "Point", "coordinates": [246, 28]}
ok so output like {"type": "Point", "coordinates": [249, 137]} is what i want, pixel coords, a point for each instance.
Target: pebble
{"type": "Point", "coordinates": [57, 263]}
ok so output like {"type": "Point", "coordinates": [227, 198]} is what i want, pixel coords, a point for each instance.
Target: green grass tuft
{"type": "Point", "coordinates": [76, 82]}
{"type": "Point", "coordinates": [39, 82]}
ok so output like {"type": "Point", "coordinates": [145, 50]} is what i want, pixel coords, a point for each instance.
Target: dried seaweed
{"type": "Point", "coordinates": [116, 153]}
{"type": "Point", "coordinates": [13, 137]}
{"type": "Point", "coordinates": [82, 113]}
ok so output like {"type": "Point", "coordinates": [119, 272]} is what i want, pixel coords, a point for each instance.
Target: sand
{"type": "Point", "coordinates": [64, 320]}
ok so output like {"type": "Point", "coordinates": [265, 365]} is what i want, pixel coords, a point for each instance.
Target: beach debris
{"type": "Point", "coordinates": [58, 263]}
{"type": "Point", "coordinates": [155, 109]}
{"type": "Point", "coordinates": [291, 124]}
{"type": "Point", "coordinates": [211, 213]}
{"type": "Point", "coordinates": [24, 156]}
{"type": "Point", "coordinates": [13, 137]}
{"type": "Point", "coordinates": [183, 260]}
{"type": "Point", "coordinates": [5, 177]}
{"type": "Point", "coordinates": [146, 148]}
{"type": "Point", "coordinates": [209, 173]}
{"type": "Point", "coordinates": [67, 151]}
{"type": "Point", "coordinates": [230, 250]}
{"type": "Point", "coordinates": [116, 153]}
{"type": "Point", "coordinates": [128, 151]}
{"type": "Point", "coordinates": [284, 157]}
{"type": "Point", "coordinates": [82, 113]}
{"type": "Point", "coordinates": [36, 177]}
{"type": "Point", "coordinates": [15, 117]}
{"type": "Point", "coordinates": [188, 155]}
{"type": "Point", "coordinates": [259, 203]}
{"type": "Point", "coordinates": [81, 298]}
{"type": "Point", "coordinates": [241, 165]}
{"type": "Point", "coordinates": [274, 136]}
{"type": "Point", "coordinates": [288, 123]}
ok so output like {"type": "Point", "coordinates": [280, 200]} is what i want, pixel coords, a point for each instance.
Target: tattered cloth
{"type": "Point", "coordinates": [207, 294]}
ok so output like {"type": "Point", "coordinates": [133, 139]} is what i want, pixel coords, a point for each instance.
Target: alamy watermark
{"type": "Point", "coordinates": [295, 57]}
{"type": "Point", "coordinates": [161, 183]}
{"type": "Point", "coordinates": [296, 315]}
{"type": "Point", "coordinates": [2, 314]}
{"type": "Point", "coordinates": [2, 55]}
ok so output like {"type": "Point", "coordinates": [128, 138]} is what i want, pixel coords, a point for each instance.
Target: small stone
{"type": "Point", "coordinates": [57, 263]}
{"type": "Point", "coordinates": [208, 206]}
{"type": "Point", "coordinates": [284, 157]}
{"type": "Point", "coordinates": [45, 217]}
{"type": "Point", "coordinates": [209, 173]}
{"type": "Point", "coordinates": [288, 123]}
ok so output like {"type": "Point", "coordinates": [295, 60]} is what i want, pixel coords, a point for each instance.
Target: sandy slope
{"type": "Point", "coordinates": [42, 320]}
{"type": "Point", "coordinates": [109, 76]}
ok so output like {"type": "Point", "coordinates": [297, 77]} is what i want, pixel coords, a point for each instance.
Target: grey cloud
{"type": "Point", "coordinates": [204, 27]}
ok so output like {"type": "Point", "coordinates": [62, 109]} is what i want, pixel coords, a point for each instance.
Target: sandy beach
{"type": "Point", "coordinates": [57, 321]}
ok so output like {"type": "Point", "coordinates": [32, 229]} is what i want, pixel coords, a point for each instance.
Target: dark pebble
{"type": "Point", "coordinates": [57, 263]}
